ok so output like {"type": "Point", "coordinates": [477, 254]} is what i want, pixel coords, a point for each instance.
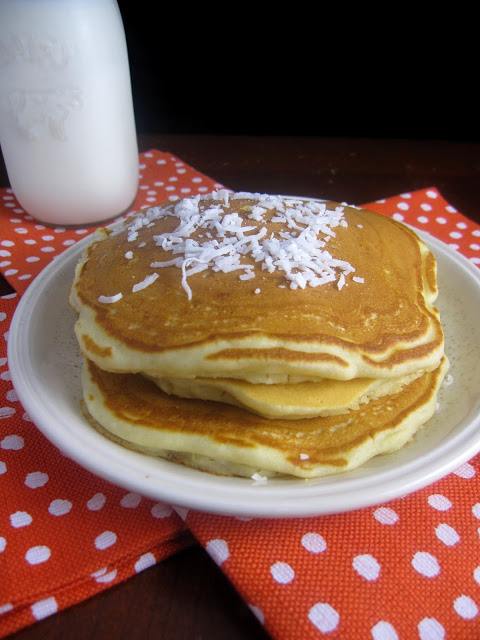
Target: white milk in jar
{"type": "Point", "coordinates": [67, 127]}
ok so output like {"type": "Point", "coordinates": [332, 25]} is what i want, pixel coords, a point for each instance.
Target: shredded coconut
{"type": "Point", "coordinates": [259, 479]}
{"type": "Point", "coordinates": [110, 299]}
{"type": "Point", "coordinates": [304, 456]}
{"type": "Point", "coordinates": [357, 279]}
{"type": "Point", "coordinates": [447, 380]}
{"type": "Point", "coordinates": [235, 241]}
{"type": "Point", "coordinates": [129, 255]}
{"type": "Point", "coordinates": [145, 283]}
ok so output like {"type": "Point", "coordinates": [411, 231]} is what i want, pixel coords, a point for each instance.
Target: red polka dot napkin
{"type": "Point", "coordinates": [406, 569]}
{"type": "Point", "coordinates": [64, 533]}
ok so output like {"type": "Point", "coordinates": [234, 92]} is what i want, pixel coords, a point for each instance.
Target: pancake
{"type": "Point", "coordinates": [247, 334]}
{"type": "Point", "coordinates": [260, 288]}
{"type": "Point", "coordinates": [227, 440]}
{"type": "Point", "coordinates": [301, 400]}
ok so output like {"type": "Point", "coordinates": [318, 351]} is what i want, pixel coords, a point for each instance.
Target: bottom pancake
{"type": "Point", "coordinates": [227, 440]}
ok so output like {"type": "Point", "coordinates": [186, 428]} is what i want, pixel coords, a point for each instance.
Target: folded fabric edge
{"type": "Point", "coordinates": [13, 618]}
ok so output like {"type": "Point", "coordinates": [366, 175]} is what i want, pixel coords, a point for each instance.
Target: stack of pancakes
{"type": "Point", "coordinates": [256, 335]}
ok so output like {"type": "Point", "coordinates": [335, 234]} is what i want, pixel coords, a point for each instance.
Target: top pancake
{"type": "Point", "coordinates": [285, 290]}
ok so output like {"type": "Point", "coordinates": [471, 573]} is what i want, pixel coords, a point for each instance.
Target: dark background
{"type": "Point", "coordinates": [195, 69]}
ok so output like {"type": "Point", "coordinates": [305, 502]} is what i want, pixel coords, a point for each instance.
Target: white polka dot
{"type": "Point", "coordinates": [403, 206]}
{"type": "Point", "coordinates": [465, 471]}
{"type": "Point", "coordinates": [431, 194]}
{"type": "Point", "coordinates": [7, 243]}
{"type": "Point", "coordinates": [12, 442]}
{"type": "Point", "coordinates": [426, 564]}
{"type": "Point", "coordinates": [366, 566]}
{"type": "Point", "coordinates": [282, 572]}
{"type": "Point", "coordinates": [6, 412]}
{"type": "Point", "coordinates": [476, 233]}
{"type": "Point", "coordinates": [103, 576]}
{"type": "Point", "coordinates": [385, 515]}
{"type": "Point", "coordinates": [476, 575]}
{"type": "Point", "coordinates": [384, 631]}
{"type": "Point", "coordinates": [131, 500]}
{"type": "Point", "coordinates": [476, 510]}
{"type": "Point", "coordinates": [182, 512]}
{"type": "Point", "coordinates": [431, 629]}
{"type": "Point", "coordinates": [426, 207]}
{"type": "Point", "coordinates": [456, 235]}
{"type": "Point", "coordinates": [466, 607]}
{"type": "Point", "coordinates": [441, 220]}
{"type": "Point", "coordinates": [105, 540]}
{"type": "Point", "coordinates": [218, 550]}
{"type": "Point", "coordinates": [97, 502]}
{"type": "Point", "coordinates": [145, 561]}
{"type": "Point", "coordinates": [3, 544]}
{"type": "Point", "coordinates": [20, 519]}
{"type": "Point", "coordinates": [32, 259]}
{"type": "Point", "coordinates": [422, 219]}
{"type": "Point", "coordinates": [314, 542]}
{"type": "Point", "coordinates": [324, 617]}
{"type": "Point", "coordinates": [44, 608]}
{"type": "Point", "coordinates": [161, 510]}
{"type": "Point", "coordinates": [439, 502]}
{"type": "Point", "coordinates": [398, 217]}
{"type": "Point", "coordinates": [447, 534]}
{"type": "Point", "coordinates": [20, 230]}
{"type": "Point", "coordinates": [36, 479]}
{"type": "Point", "coordinates": [3, 467]}
{"type": "Point", "coordinates": [4, 253]}
{"type": "Point", "coordinates": [475, 246]}
{"type": "Point", "coordinates": [11, 395]}
{"type": "Point", "coordinates": [5, 608]}
{"type": "Point", "coordinates": [59, 507]}
{"type": "Point", "coordinates": [258, 613]}
{"type": "Point", "coordinates": [37, 555]}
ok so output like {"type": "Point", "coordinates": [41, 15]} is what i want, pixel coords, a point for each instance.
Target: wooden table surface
{"type": "Point", "coordinates": [187, 596]}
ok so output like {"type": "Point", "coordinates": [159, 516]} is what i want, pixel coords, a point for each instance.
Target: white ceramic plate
{"type": "Point", "coordinates": [45, 367]}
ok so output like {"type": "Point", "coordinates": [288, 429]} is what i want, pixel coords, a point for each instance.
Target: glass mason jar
{"type": "Point", "coordinates": [67, 126]}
